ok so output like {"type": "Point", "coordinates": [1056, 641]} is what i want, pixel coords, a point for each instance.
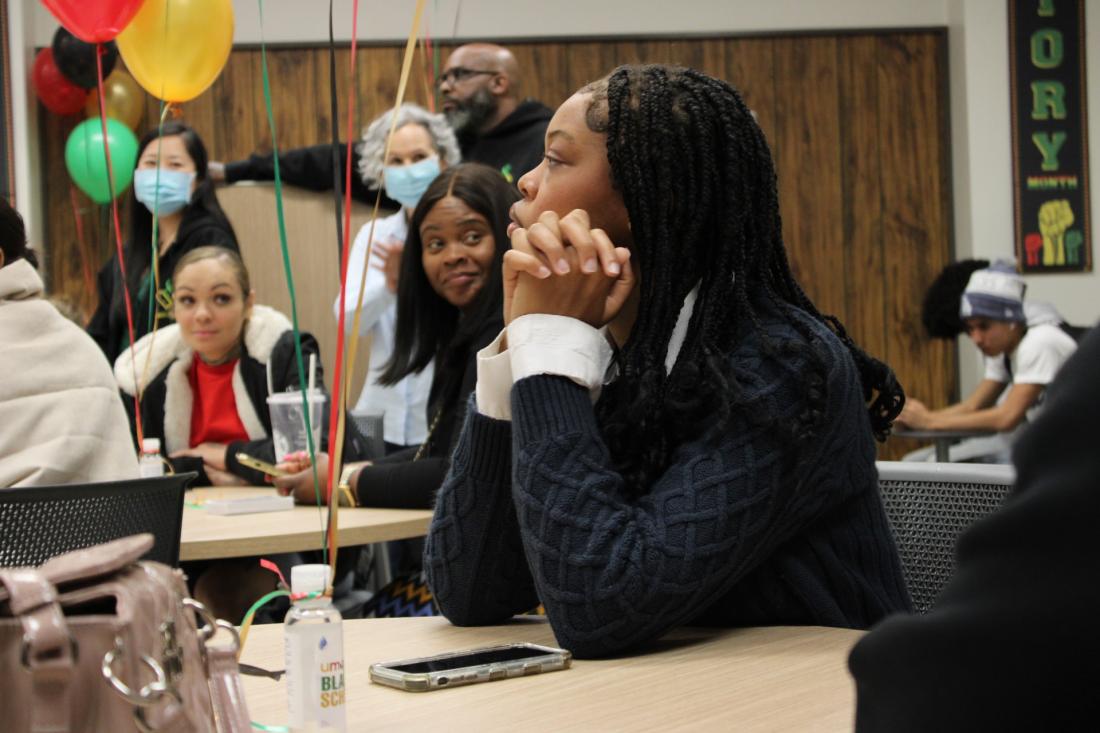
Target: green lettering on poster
{"type": "Point", "coordinates": [1048, 98]}
{"type": "Point", "coordinates": [1049, 145]}
{"type": "Point", "coordinates": [1046, 48]}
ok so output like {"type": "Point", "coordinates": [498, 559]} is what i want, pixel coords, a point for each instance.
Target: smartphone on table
{"type": "Point", "coordinates": [263, 466]}
{"type": "Point", "coordinates": [469, 666]}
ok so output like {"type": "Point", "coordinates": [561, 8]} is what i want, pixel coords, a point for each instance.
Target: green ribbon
{"type": "Point", "coordinates": [290, 277]}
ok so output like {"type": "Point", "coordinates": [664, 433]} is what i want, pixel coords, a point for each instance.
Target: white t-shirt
{"type": "Point", "coordinates": [1041, 353]}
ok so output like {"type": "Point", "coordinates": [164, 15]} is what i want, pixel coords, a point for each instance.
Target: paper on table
{"type": "Point", "coordinates": [249, 505]}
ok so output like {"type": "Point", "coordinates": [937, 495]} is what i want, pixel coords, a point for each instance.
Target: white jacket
{"type": "Point", "coordinates": [61, 417]}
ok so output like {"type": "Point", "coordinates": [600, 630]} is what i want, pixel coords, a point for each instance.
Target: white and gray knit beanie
{"type": "Point", "coordinates": [996, 292]}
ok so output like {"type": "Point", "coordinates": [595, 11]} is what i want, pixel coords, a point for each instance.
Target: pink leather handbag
{"type": "Point", "coordinates": [94, 640]}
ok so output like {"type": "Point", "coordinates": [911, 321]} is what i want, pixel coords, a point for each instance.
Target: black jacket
{"type": "Point", "coordinates": [108, 326]}
{"type": "Point", "coordinates": [514, 147]}
{"type": "Point", "coordinates": [1012, 643]}
{"type": "Point", "coordinates": [399, 482]}
{"type": "Point", "coordinates": [167, 400]}
{"type": "Point", "coordinates": [310, 168]}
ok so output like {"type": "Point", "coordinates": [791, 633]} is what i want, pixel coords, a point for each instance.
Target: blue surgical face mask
{"type": "Point", "coordinates": [405, 184]}
{"type": "Point", "coordinates": [174, 189]}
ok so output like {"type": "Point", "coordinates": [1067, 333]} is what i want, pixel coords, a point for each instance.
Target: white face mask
{"type": "Point", "coordinates": [405, 184]}
{"type": "Point", "coordinates": [165, 196]}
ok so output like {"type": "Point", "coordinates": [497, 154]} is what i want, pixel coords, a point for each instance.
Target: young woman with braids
{"type": "Point", "coordinates": [667, 431]}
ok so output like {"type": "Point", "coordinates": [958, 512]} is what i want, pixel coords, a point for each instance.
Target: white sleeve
{"type": "Point", "coordinates": [566, 347]}
{"type": "Point", "coordinates": [376, 296]}
{"type": "Point", "coordinates": [540, 344]}
{"type": "Point", "coordinates": [995, 369]}
{"type": "Point", "coordinates": [494, 382]}
{"type": "Point", "coordinates": [1041, 353]}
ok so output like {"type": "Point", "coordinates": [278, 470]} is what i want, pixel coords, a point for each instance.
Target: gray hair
{"type": "Point", "coordinates": [373, 146]}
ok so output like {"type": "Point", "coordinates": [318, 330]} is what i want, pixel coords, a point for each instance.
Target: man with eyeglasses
{"type": "Point", "coordinates": [480, 89]}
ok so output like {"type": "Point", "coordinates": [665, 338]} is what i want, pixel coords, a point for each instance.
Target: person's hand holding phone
{"type": "Point", "coordinates": [299, 479]}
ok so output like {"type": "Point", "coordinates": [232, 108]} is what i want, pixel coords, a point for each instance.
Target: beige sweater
{"type": "Point", "coordinates": [61, 417]}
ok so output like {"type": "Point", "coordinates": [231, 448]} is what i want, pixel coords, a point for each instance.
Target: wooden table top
{"type": "Point", "coordinates": [762, 679]}
{"type": "Point", "coordinates": [209, 536]}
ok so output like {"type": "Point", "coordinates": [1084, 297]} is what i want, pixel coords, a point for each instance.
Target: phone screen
{"type": "Point", "coordinates": [506, 654]}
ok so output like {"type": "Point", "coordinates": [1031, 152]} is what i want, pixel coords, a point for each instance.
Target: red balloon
{"type": "Point", "coordinates": [94, 21]}
{"type": "Point", "coordinates": [59, 94]}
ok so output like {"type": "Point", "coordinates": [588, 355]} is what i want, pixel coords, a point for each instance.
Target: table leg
{"type": "Point", "coordinates": [383, 573]}
{"type": "Point", "coordinates": [943, 450]}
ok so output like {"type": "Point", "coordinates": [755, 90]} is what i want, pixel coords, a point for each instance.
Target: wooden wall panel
{"type": "Point", "coordinates": [861, 171]}
{"type": "Point", "coordinates": [916, 214]}
{"type": "Point", "coordinates": [808, 164]}
{"type": "Point", "coordinates": [857, 124]}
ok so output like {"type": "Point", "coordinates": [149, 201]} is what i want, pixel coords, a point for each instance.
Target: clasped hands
{"type": "Point", "coordinates": [563, 266]}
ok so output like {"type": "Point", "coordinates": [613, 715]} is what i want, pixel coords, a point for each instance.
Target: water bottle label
{"type": "Point", "coordinates": [315, 675]}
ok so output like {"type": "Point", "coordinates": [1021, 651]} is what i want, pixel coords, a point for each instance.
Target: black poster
{"type": "Point", "coordinates": [1050, 151]}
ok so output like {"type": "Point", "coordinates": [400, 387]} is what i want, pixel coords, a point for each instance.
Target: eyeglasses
{"type": "Point", "coordinates": [459, 73]}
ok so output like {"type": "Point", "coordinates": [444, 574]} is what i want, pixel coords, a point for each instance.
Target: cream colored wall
{"type": "Point", "coordinates": [981, 137]}
{"type": "Point", "coordinates": [311, 241]}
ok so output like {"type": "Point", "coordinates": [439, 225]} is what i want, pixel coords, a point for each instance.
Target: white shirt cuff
{"type": "Point", "coordinates": [544, 344]}
{"type": "Point", "coordinates": [493, 392]}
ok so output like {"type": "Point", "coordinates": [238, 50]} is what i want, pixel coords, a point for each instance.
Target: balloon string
{"type": "Point", "coordinates": [118, 240]}
{"type": "Point", "coordinates": [289, 275]}
{"type": "Point", "coordinates": [339, 396]}
{"type": "Point", "coordinates": [334, 114]}
{"type": "Point", "coordinates": [338, 417]}
{"type": "Point", "coordinates": [154, 281]}
{"type": "Point", "coordinates": [425, 64]}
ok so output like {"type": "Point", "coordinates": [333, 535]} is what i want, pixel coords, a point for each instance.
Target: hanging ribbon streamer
{"type": "Point", "coordinates": [100, 50]}
{"type": "Point", "coordinates": [341, 386]}
{"type": "Point", "coordinates": [334, 113]}
{"type": "Point", "coordinates": [339, 389]}
{"type": "Point", "coordinates": [302, 385]}
{"type": "Point", "coordinates": [154, 246]}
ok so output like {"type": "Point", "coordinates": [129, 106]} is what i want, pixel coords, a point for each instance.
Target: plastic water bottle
{"type": "Point", "coordinates": [314, 633]}
{"type": "Point", "coordinates": [150, 463]}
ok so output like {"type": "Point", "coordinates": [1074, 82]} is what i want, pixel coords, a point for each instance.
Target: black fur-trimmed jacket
{"type": "Point", "coordinates": [166, 400]}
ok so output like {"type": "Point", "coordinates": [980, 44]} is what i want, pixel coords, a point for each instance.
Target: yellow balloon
{"type": "Point", "coordinates": [176, 48]}
{"type": "Point", "coordinates": [124, 99]}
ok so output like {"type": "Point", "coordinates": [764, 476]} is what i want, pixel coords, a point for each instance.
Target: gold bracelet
{"type": "Point", "coordinates": [345, 496]}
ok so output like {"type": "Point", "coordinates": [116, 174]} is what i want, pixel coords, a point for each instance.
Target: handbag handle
{"type": "Point", "coordinates": [49, 649]}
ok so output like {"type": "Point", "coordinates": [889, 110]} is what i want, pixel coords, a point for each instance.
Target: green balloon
{"type": "Point", "coordinates": [87, 163]}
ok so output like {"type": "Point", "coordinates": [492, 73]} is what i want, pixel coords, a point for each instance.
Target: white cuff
{"type": "Point", "coordinates": [494, 382]}
{"type": "Point", "coordinates": [544, 344]}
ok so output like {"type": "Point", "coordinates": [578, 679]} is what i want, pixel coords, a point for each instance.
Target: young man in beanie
{"type": "Point", "coordinates": [1020, 357]}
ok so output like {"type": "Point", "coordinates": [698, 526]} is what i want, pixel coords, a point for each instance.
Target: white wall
{"type": "Point", "coordinates": [981, 136]}
{"type": "Point", "coordinates": [306, 21]}
{"type": "Point", "coordinates": [24, 112]}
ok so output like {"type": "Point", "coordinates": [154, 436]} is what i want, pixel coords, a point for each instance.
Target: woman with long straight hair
{"type": "Point", "coordinates": [448, 307]}
{"type": "Point", "coordinates": [187, 216]}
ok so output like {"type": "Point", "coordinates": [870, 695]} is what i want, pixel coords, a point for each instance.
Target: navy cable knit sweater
{"type": "Point", "coordinates": [743, 528]}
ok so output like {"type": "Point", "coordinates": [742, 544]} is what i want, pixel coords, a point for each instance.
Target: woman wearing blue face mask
{"type": "Point", "coordinates": [422, 145]}
{"type": "Point", "coordinates": [179, 198]}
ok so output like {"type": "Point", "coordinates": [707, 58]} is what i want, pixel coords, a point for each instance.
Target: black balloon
{"type": "Point", "coordinates": [76, 59]}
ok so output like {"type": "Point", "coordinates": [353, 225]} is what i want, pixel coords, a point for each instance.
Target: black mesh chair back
{"type": "Point", "coordinates": [38, 522]}
{"type": "Point", "coordinates": [929, 505]}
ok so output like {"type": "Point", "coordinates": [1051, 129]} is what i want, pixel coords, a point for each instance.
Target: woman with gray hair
{"type": "Point", "coordinates": [422, 145]}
